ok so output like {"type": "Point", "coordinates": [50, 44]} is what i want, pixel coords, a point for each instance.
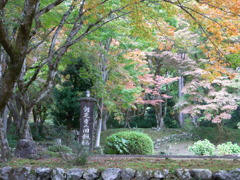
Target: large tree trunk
{"type": "Point", "coordinates": [26, 147]}
{"type": "Point", "coordinates": [17, 51]}
{"type": "Point", "coordinates": [21, 116]}
{"type": "Point", "coordinates": [25, 132]}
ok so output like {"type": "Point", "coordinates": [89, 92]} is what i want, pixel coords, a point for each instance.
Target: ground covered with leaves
{"type": "Point", "coordinates": [139, 163]}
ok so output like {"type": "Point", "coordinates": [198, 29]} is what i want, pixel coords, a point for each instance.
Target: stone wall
{"type": "Point", "coordinates": [173, 138]}
{"type": "Point", "coordinates": [27, 173]}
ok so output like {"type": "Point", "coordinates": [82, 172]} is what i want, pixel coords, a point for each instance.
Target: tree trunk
{"type": "Point", "coordinates": [126, 124]}
{"type": "Point", "coordinates": [26, 147]}
{"type": "Point", "coordinates": [5, 119]}
{"type": "Point", "coordinates": [35, 119]}
{"type": "Point", "coordinates": [5, 150]}
{"type": "Point", "coordinates": [194, 121]}
{"type": "Point", "coordinates": [181, 119]}
{"type": "Point", "coordinates": [9, 123]}
{"type": "Point", "coordinates": [103, 65]}
{"type": "Point", "coordinates": [25, 132]}
{"type": "Point", "coordinates": [15, 113]}
{"type": "Point", "coordinates": [180, 95]}
{"type": "Point", "coordinates": [99, 123]}
{"type": "Point", "coordinates": [159, 117]}
{"type": "Point", "coordinates": [105, 118]}
{"type": "Point", "coordinates": [21, 116]}
{"type": "Point", "coordinates": [127, 118]}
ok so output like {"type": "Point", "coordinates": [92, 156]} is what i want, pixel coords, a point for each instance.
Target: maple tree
{"type": "Point", "coordinates": [213, 101]}
{"type": "Point", "coordinates": [159, 99]}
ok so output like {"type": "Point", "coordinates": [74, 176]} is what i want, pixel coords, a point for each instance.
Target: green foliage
{"type": "Point", "coordinates": [215, 136]}
{"type": "Point", "coordinates": [37, 136]}
{"type": "Point", "coordinates": [81, 159]}
{"type": "Point", "coordinates": [148, 120]}
{"type": "Point", "coordinates": [65, 109]}
{"type": "Point", "coordinates": [129, 142]}
{"type": "Point", "coordinates": [59, 149]}
{"type": "Point", "coordinates": [12, 137]}
{"type": "Point", "coordinates": [170, 119]}
{"type": "Point", "coordinates": [113, 123]}
{"type": "Point", "coordinates": [235, 119]}
{"type": "Point", "coordinates": [204, 147]}
{"type": "Point", "coordinates": [233, 59]}
{"type": "Point", "coordinates": [68, 137]}
{"type": "Point", "coordinates": [79, 156]}
{"type": "Point", "coordinates": [228, 148]}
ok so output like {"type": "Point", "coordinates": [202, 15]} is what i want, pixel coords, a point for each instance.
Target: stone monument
{"type": "Point", "coordinates": [86, 121]}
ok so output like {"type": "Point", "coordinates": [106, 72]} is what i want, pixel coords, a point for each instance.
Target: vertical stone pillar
{"type": "Point", "coordinates": [86, 121]}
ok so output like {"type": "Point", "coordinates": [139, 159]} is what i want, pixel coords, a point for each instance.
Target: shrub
{"type": "Point", "coordinates": [80, 155]}
{"type": "Point", "coordinates": [129, 142]}
{"type": "Point", "coordinates": [204, 147]}
{"type": "Point", "coordinates": [59, 149]}
{"type": "Point", "coordinates": [81, 158]}
{"type": "Point", "coordinates": [228, 148]}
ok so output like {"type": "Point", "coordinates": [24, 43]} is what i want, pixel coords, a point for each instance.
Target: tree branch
{"type": "Point", "coordinates": [33, 78]}
{"type": "Point", "coordinates": [4, 41]}
{"type": "Point", "coordinates": [3, 4]}
{"type": "Point", "coordinates": [220, 8]}
{"type": "Point", "coordinates": [59, 28]}
{"type": "Point", "coordinates": [23, 34]}
{"type": "Point", "coordinates": [42, 41]}
{"type": "Point", "coordinates": [48, 8]}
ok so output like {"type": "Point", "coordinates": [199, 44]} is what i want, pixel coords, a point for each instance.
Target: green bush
{"type": "Point", "coordinates": [228, 148]}
{"type": "Point", "coordinates": [204, 147]}
{"type": "Point", "coordinates": [129, 142]}
{"type": "Point", "coordinates": [59, 149]}
{"type": "Point", "coordinates": [81, 158]}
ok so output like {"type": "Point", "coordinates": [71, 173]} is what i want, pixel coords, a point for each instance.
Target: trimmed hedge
{"type": "Point", "coordinates": [129, 142]}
